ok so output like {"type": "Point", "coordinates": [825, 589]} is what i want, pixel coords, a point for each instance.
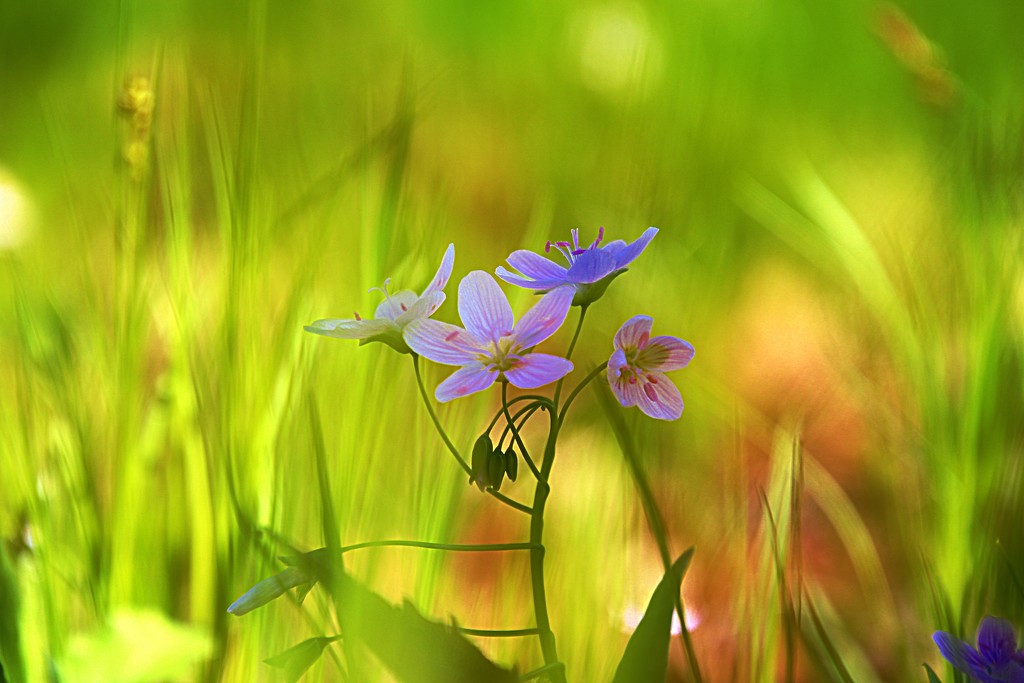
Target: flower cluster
{"type": "Point", "coordinates": [492, 347]}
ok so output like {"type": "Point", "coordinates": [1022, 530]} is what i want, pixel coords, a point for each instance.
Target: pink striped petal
{"type": "Point", "coordinates": [625, 256]}
{"type": "Point", "coordinates": [634, 333]}
{"type": "Point", "coordinates": [395, 305]}
{"type": "Point", "coordinates": [537, 369]}
{"type": "Point", "coordinates": [483, 307]}
{"type": "Point", "coordinates": [665, 353]}
{"type": "Point", "coordinates": [658, 397]}
{"type": "Point", "coordinates": [624, 384]}
{"type": "Point", "coordinates": [520, 281]}
{"type": "Point", "coordinates": [441, 342]}
{"type": "Point", "coordinates": [351, 329]}
{"type": "Point", "coordinates": [535, 266]}
{"type": "Point", "coordinates": [591, 266]}
{"type": "Point", "coordinates": [544, 319]}
{"type": "Point", "coordinates": [465, 381]}
{"type": "Point", "coordinates": [443, 272]}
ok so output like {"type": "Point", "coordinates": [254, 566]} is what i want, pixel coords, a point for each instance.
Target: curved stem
{"type": "Point", "coordinates": [451, 547]}
{"type": "Point", "coordinates": [536, 398]}
{"type": "Point", "coordinates": [437, 423]}
{"type": "Point", "coordinates": [537, 673]}
{"type": "Point", "coordinates": [515, 433]}
{"type": "Point", "coordinates": [511, 503]}
{"type": "Point", "coordinates": [572, 347]}
{"type": "Point", "coordinates": [492, 633]}
{"type": "Point", "coordinates": [579, 387]}
{"type": "Point", "coordinates": [529, 410]}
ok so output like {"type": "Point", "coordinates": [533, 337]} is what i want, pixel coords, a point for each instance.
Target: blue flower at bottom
{"type": "Point", "coordinates": [996, 660]}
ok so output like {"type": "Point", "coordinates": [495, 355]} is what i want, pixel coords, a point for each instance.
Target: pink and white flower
{"type": "Point", "coordinates": [492, 345]}
{"type": "Point", "coordinates": [394, 313]}
{"type": "Point", "coordinates": [637, 367]}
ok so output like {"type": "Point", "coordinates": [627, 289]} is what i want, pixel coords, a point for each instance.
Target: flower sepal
{"type": "Point", "coordinates": [588, 294]}
{"type": "Point", "coordinates": [392, 338]}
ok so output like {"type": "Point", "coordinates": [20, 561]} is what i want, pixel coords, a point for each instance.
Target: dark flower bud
{"type": "Point", "coordinates": [511, 463]}
{"type": "Point", "coordinates": [480, 465]}
{"type": "Point", "coordinates": [496, 469]}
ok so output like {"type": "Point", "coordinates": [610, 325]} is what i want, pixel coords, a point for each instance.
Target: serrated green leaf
{"type": "Point", "coordinates": [413, 648]}
{"type": "Point", "coordinates": [297, 659]}
{"type": "Point", "coordinates": [646, 657]}
{"type": "Point", "coordinates": [932, 676]}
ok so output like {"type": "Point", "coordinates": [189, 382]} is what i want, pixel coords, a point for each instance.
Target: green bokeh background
{"type": "Point", "coordinates": [838, 188]}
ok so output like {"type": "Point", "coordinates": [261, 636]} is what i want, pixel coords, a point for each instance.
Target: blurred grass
{"type": "Point", "coordinates": [839, 195]}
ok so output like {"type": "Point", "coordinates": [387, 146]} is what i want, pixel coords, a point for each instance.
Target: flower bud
{"type": "Point", "coordinates": [480, 465]}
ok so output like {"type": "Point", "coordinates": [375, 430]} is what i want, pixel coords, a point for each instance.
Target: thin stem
{"type": "Point", "coordinates": [437, 423]}
{"type": "Point", "coordinates": [572, 347]}
{"type": "Point", "coordinates": [511, 503]}
{"type": "Point", "coordinates": [579, 387]}
{"type": "Point", "coordinates": [537, 673]}
{"type": "Point", "coordinates": [492, 633]}
{"type": "Point", "coordinates": [451, 547]}
{"type": "Point", "coordinates": [529, 410]}
{"type": "Point", "coordinates": [536, 398]}
{"type": "Point", "coordinates": [515, 433]}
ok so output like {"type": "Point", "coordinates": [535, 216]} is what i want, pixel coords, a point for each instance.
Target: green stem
{"type": "Point", "coordinates": [511, 503]}
{"type": "Point", "coordinates": [572, 347]}
{"type": "Point", "coordinates": [451, 547]}
{"type": "Point", "coordinates": [579, 387]}
{"type": "Point", "coordinates": [540, 605]}
{"type": "Point", "coordinates": [437, 423]}
{"type": "Point", "coordinates": [543, 400]}
{"type": "Point", "coordinates": [528, 411]}
{"type": "Point", "coordinates": [492, 633]}
{"type": "Point", "coordinates": [515, 432]}
{"type": "Point", "coordinates": [537, 673]}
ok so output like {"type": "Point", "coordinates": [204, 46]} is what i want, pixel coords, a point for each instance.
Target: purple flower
{"type": "Point", "coordinates": [637, 366]}
{"type": "Point", "coordinates": [492, 346]}
{"type": "Point", "coordinates": [590, 269]}
{"type": "Point", "coordinates": [394, 313]}
{"type": "Point", "coordinates": [997, 659]}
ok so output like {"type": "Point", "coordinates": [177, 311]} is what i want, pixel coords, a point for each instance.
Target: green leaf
{"type": "Point", "coordinates": [932, 676]}
{"type": "Point", "coordinates": [646, 657]}
{"type": "Point", "coordinates": [295, 660]}
{"type": "Point", "coordinates": [412, 647]}
{"type": "Point", "coordinates": [10, 641]}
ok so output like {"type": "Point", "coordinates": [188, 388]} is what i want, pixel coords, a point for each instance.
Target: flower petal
{"type": "Point", "coordinates": [466, 381]}
{"type": "Point", "coordinates": [350, 329]}
{"type": "Point", "coordinates": [996, 640]}
{"type": "Point", "coordinates": [958, 653]}
{"type": "Point", "coordinates": [537, 369]}
{"type": "Point", "coordinates": [625, 256]}
{"type": "Point", "coordinates": [441, 342]}
{"type": "Point", "coordinates": [665, 353]}
{"type": "Point", "coordinates": [626, 391]}
{"type": "Point", "coordinates": [423, 308]}
{"type": "Point", "coordinates": [520, 281]}
{"type": "Point", "coordinates": [658, 397]}
{"type": "Point", "coordinates": [395, 305]}
{"type": "Point", "coordinates": [544, 319]}
{"type": "Point", "coordinates": [535, 266]}
{"type": "Point", "coordinates": [591, 266]}
{"type": "Point", "coordinates": [443, 272]}
{"type": "Point", "coordinates": [634, 333]}
{"type": "Point", "coordinates": [614, 247]}
{"type": "Point", "coordinates": [483, 307]}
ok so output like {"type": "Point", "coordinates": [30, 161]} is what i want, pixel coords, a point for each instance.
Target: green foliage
{"type": "Point", "coordinates": [296, 660]}
{"type": "Point", "coordinates": [646, 657]}
{"type": "Point", "coordinates": [12, 669]}
{"type": "Point", "coordinates": [932, 676]}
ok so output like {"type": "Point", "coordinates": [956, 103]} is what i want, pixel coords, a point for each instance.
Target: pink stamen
{"type": "Point", "coordinates": [357, 315]}
{"type": "Point", "coordinates": [600, 236]}
{"type": "Point", "coordinates": [547, 247]}
{"type": "Point", "coordinates": [451, 336]}
{"type": "Point", "coordinates": [404, 307]}
{"type": "Point", "coordinates": [649, 390]}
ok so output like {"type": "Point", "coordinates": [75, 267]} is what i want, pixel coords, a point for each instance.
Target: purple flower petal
{"type": "Point", "coordinates": [443, 272]}
{"type": "Point", "coordinates": [395, 305]}
{"type": "Point", "coordinates": [441, 342]}
{"type": "Point", "coordinates": [423, 308]}
{"type": "Point", "coordinates": [658, 397]}
{"type": "Point", "coordinates": [665, 353]}
{"type": "Point", "coordinates": [466, 381]}
{"type": "Point", "coordinates": [483, 307]}
{"type": "Point", "coordinates": [546, 316]}
{"type": "Point", "coordinates": [634, 333]}
{"type": "Point", "coordinates": [591, 266]}
{"type": "Point", "coordinates": [626, 391]}
{"type": "Point", "coordinates": [1013, 673]}
{"type": "Point", "coordinates": [520, 281]}
{"type": "Point", "coordinates": [614, 248]}
{"type": "Point", "coordinates": [535, 266]}
{"type": "Point", "coordinates": [996, 640]}
{"type": "Point", "coordinates": [958, 653]}
{"type": "Point", "coordinates": [350, 329]}
{"type": "Point", "coordinates": [627, 255]}
{"type": "Point", "coordinates": [537, 369]}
